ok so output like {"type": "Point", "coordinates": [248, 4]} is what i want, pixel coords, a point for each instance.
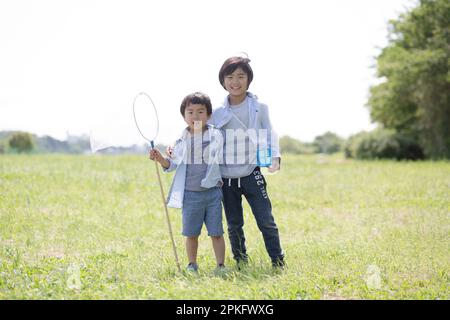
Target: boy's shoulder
{"type": "Point", "coordinates": [213, 130]}
{"type": "Point", "coordinates": [218, 114]}
{"type": "Point", "coordinates": [254, 99]}
{"type": "Point", "coordinates": [263, 105]}
{"type": "Point", "coordinates": [219, 109]}
{"type": "Point", "coordinates": [182, 136]}
{"type": "Point", "coordinates": [258, 104]}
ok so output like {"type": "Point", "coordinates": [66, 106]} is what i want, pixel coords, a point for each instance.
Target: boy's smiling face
{"type": "Point", "coordinates": [196, 117]}
{"type": "Point", "coordinates": [236, 83]}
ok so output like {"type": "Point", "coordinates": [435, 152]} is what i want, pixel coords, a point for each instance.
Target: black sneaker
{"type": "Point", "coordinates": [241, 263]}
{"type": "Point", "coordinates": [279, 263]}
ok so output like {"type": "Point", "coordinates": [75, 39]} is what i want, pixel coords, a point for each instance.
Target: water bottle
{"type": "Point", "coordinates": [264, 156]}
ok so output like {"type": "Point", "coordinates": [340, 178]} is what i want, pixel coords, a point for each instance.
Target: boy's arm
{"type": "Point", "coordinates": [172, 156]}
{"type": "Point", "coordinates": [219, 146]}
{"type": "Point", "coordinates": [266, 124]}
{"type": "Point", "coordinates": [275, 142]}
{"type": "Point", "coordinates": [165, 163]}
{"type": "Point", "coordinates": [171, 165]}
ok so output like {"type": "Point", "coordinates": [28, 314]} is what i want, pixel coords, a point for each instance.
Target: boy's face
{"type": "Point", "coordinates": [236, 83]}
{"type": "Point", "coordinates": [196, 116]}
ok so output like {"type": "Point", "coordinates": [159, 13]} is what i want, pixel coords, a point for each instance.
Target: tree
{"type": "Point", "coordinates": [328, 143]}
{"type": "Point", "coordinates": [414, 98]}
{"type": "Point", "coordinates": [21, 142]}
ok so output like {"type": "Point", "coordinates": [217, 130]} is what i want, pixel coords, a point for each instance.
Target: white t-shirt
{"type": "Point", "coordinates": [242, 163]}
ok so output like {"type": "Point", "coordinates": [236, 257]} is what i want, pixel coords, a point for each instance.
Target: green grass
{"type": "Point", "coordinates": [93, 227]}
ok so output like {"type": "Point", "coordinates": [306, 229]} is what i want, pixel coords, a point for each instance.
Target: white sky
{"type": "Point", "coordinates": [75, 66]}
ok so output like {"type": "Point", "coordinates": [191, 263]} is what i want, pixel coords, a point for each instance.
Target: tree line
{"type": "Point", "coordinates": [24, 142]}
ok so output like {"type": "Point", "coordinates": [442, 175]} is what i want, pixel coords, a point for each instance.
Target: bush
{"type": "Point", "coordinates": [328, 143]}
{"type": "Point", "coordinates": [21, 142]}
{"type": "Point", "coordinates": [383, 144]}
{"type": "Point", "coordinates": [294, 146]}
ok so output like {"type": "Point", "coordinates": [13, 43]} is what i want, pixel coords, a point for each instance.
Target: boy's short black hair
{"type": "Point", "coordinates": [197, 98]}
{"type": "Point", "coordinates": [231, 64]}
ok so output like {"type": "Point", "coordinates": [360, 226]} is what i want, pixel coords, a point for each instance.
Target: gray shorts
{"type": "Point", "coordinates": [199, 207]}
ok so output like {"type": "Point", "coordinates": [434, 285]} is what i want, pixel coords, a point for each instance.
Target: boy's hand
{"type": "Point", "coordinates": [155, 155]}
{"type": "Point", "coordinates": [275, 165]}
{"type": "Point", "coordinates": [169, 152]}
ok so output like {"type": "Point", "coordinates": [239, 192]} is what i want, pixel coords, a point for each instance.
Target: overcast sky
{"type": "Point", "coordinates": [75, 66]}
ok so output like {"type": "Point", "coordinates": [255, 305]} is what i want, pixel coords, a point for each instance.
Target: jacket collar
{"type": "Point", "coordinates": [185, 133]}
{"type": "Point", "coordinates": [250, 95]}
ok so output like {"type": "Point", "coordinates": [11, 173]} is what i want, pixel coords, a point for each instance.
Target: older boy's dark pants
{"type": "Point", "coordinates": [253, 187]}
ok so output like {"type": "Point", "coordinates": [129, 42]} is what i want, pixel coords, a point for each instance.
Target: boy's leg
{"type": "Point", "coordinates": [213, 222]}
{"type": "Point", "coordinates": [219, 249]}
{"type": "Point", "coordinates": [192, 216]}
{"type": "Point", "coordinates": [255, 191]}
{"type": "Point", "coordinates": [232, 202]}
{"type": "Point", "coordinates": [191, 249]}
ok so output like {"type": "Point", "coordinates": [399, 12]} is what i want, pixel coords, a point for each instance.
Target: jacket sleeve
{"type": "Point", "coordinates": [218, 146]}
{"type": "Point", "coordinates": [172, 166]}
{"type": "Point", "coordinates": [173, 161]}
{"type": "Point", "coordinates": [266, 124]}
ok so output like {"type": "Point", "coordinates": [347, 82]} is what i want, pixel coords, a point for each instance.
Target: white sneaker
{"type": "Point", "coordinates": [192, 267]}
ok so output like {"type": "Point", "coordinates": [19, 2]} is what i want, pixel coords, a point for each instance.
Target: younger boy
{"type": "Point", "coordinates": [196, 187]}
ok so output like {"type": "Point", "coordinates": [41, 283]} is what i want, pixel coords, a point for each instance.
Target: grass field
{"type": "Point", "coordinates": [93, 227]}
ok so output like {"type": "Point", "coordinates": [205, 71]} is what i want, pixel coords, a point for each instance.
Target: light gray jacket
{"type": "Point", "coordinates": [258, 119]}
{"type": "Point", "coordinates": [179, 163]}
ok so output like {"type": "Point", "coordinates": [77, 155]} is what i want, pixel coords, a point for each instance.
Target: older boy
{"type": "Point", "coordinates": [242, 111]}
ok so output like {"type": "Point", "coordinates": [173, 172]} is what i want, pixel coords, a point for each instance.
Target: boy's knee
{"type": "Point", "coordinates": [266, 224]}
